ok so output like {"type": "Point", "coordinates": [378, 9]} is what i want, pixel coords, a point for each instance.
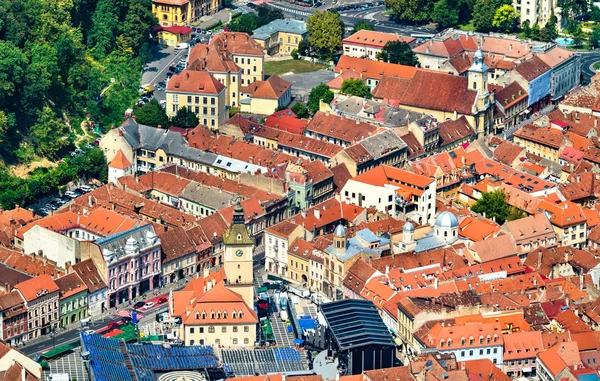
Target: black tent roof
{"type": "Point", "coordinates": [356, 323]}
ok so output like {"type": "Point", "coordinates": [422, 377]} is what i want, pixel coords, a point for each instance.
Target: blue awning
{"type": "Point", "coordinates": [298, 341]}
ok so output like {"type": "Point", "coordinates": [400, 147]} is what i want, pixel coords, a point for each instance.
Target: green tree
{"type": "Point", "coordinates": [185, 118]}
{"type": "Point", "coordinates": [355, 87]}
{"type": "Point", "coordinates": [483, 15]}
{"type": "Point", "coordinates": [3, 126]}
{"type": "Point", "coordinates": [595, 38]}
{"type": "Point", "coordinates": [304, 48]}
{"type": "Point", "coordinates": [325, 32]}
{"type": "Point", "coordinates": [152, 114]}
{"type": "Point", "coordinates": [300, 110]}
{"type": "Point", "coordinates": [514, 214]}
{"type": "Point", "coordinates": [103, 33]}
{"type": "Point", "coordinates": [245, 23]}
{"type": "Point", "coordinates": [294, 54]}
{"type": "Point", "coordinates": [548, 32]}
{"type": "Point", "coordinates": [399, 52]}
{"type": "Point", "coordinates": [578, 36]}
{"type": "Point", "coordinates": [410, 10]}
{"type": "Point", "coordinates": [444, 15]}
{"type": "Point", "coordinates": [526, 27]}
{"type": "Point", "coordinates": [12, 70]}
{"type": "Point", "coordinates": [493, 205]}
{"type": "Point", "coordinates": [595, 14]}
{"type": "Point", "coordinates": [266, 14]}
{"type": "Point", "coordinates": [506, 18]}
{"type": "Point", "coordinates": [535, 32]}
{"type": "Point", "coordinates": [135, 28]}
{"type": "Point", "coordinates": [321, 92]}
{"type": "Point", "coordinates": [49, 134]}
{"type": "Point", "coordinates": [362, 25]}
{"type": "Point", "coordinates": [573, 8]}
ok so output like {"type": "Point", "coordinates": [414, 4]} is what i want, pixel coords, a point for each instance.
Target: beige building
{"type": "Point", "coordinates": [281, 36]}
{"type": "Point", "coordinates": [201, 93]}
{"type": "Point", "coordinates": [545, 142]}
{"type": "Point", "coordinates": [266, 97]}
{"type": "Point", "coordinates": [183, 12]}
{"type": "Point", "coordinates": [245, 53]}
{"type": "Point", "coordinates": [41, 296]}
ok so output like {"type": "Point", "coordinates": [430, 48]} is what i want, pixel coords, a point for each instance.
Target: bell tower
{"type": "Point", "coordinates": [477, 77]}
{"type": "Point", "coordinates": [238, 256]}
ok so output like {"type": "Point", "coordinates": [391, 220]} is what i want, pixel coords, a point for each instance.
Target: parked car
{"type": "Point", "coordinates": [170, 74]}
{"type": "Point", "coordinates": [182, 46]}
{"type": "Point", "coordinates": [86, 188]}
{"type": "Point", "coordinates": [162, 300]}
{"type": "Point", "coordinates": [139, 305]}
{"type": "Point", "coordinates": [148, 305]}
{"type": "Point", "coordinates": [50, 207]}
{"type": "Point", "coordinates": [58, 201]}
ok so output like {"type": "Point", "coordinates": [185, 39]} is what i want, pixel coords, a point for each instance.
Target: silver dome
{"type": "Point", "coordinates": [408, 227]}
{"type": "Point", "coordinates": [339, 231]}
{"type": "Point", "coordinates": [446, 220]}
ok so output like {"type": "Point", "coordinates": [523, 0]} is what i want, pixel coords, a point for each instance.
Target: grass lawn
{"type": "Point", "coordinates": [294, 66]}
{"type": "Point", "coordinates": [468, 27]}
{"type": "Point", "coordinates": [596, 65]}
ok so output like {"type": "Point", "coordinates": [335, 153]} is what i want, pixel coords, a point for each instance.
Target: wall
{"type": "Point", "coordinates": [252, 67]}
{"type": "Point", "coordinates": [54, 246]}
{"type": "Point", "coordinates": [13, 355]}
{"type": "Point", "coordinates": [112, 142]}
{"type": "Point", "coordinates": [177, 100]}
{"type": "Point", "coordinates": [225, 339]}
{"type": "Point", "coordinates": [367, 195]}
{"type": "Point", "coordinates": [361, 51]}
{"type": "Point", "coordinates": [539, 88]}
{"type": "Point", "coordinates": [264, 183]}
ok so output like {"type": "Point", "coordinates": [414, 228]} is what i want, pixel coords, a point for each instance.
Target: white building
{"type": "Point", "coordinates": [368, 44]}
{"type": "Point", "coordinates": [278, 239]}
{"type": "Point", "coordinates": [119, 166]}
{"type": "Point", "coordinates": [393, 191]}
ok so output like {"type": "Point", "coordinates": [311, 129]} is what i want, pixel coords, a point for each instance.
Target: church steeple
{"type": "Point", "coordinates": [238, 213]}
{"type": "Point", "coordinates": [237, 234]}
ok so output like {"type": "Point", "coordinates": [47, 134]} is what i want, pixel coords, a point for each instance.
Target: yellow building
{"type": "Point", "coordinates": [173, 35]}
{"type": "Point", "coordinates": [299, 255]}
{"type": "Point", "coordinates": [266, 97]}
{"type": "Point", "coordinates": [280, 36]}
{"type": "Point", "coordinates": [545, 142]}
{"type": "Point", "coordinates": [244, 51]}
{"type": "Point", "coordinates": [172, 12]}
{"type": "Point", "coordinates": [201, 93]}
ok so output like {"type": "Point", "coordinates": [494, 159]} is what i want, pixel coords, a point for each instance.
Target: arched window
{"type": "Point", "coordinates": [495, 338]}
{"type": "Point", "coordinates": [212, 315]}
{"type": "Point", "coordinates": [197, 316]}
{"type": "Point", "coordinates": [219, 315]}
{"type": "Point", "coordinates": [203, 315]}
{"type": "Point", "coordinates": [233, 315]}
{"type": "Point", "coordinates": [449, 342]}
{"type": "Point", "coordinates": [211, 329]}
{"type": "Point", "coordinates": [471, 340]}
{"type": "Point", "coordinates": [240, 314]}
{"type": "Point", "coordinates": [462, 341]}
{"type": "Point", "coordinates": [225, 315]}
{"type": "Point", "coordinates": [480, 339]}
{"type": "Point", "coordinates": [489, 339]}
{"type": "Point", "coordinates": [442, 342]}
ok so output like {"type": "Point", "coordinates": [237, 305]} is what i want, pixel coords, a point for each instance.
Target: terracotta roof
{"type": "Point", "coordinates": [286, 120]}
{"type": "Point", "coordinates": [399, 373]}
{"type": "Point", "coordinates": [448, 47]}
{"type": "Point", "coordinates": [530, 229]}
{"type": "Point", "coordinates": [571, 322]}
{"type": "Point", "coordinates": [27, 263]}
{"type": "Point", "coordinates": [344, 129]}
{"type": "Point", "coordinates": [9, 277]}
{"type": "Point", "coordinates": [328, 212]}
{"type": "Point", "coordinates": [373, 69]}
{"type": "Point", "coordinates": [273, 88]}
{"type": "Point", "coordinates": [508, 152]}
{"type": "Point", "coordinates": [33, 288]}
{"type": "Point", "coordinates": [547, 136]}
{"type": "Point", "coordinates": [454, 130]}
{"type": "Point", "coordinates": [237, 43]}
{"type": "Point", "coordinates": [564, 214]}
{"type": "Point", "coordinates": [252, 210]}
{"type": "Point", "coordinates": [341, 175]}
{"type": "Point", "coordinates": [532, 68]}
{"type": "Point", "coordinates": [555, 56]}
{"type": "Point", "coordinates": [452, 93]}
{"type": "Point", "coordinates": [196, 82]}
{"type": "Point", "coordinates": [511, 95]}
{"type": "Point", "coordinates": [12, 304]}
{"type": "Point", "coordinates": [165, 182]}
{"type": "Point", "coordinates": [282, 229]}
{"type": "Point", "coordinates": [88, 273]}
{"type": "Point", "coordinates": [464, 336]}
{"type": "Point", "coordinates": [484, 370]}
{"type": "Point", "coordinates": [476, 229]}
{"type": "Point", "coordinates": [120, 161]}
{"type": "Point", "coordinates": [175, 29]}
{"type": "Point", "coordinates": [412, 145]}
{"type": "Point", "coordinates": [386, 175]}
{"type": "Point", "coordinates": [299, 142]}
{"type": "Point", "coordinates": [70, 285]}
{"type": "Point", "coordinates": [171, 2]}
{"type": "Point", "coordinates": [375, 39]}
{"type": "Point", "coordinates": [175, 244]}
{"type": "Point", "coordinates": [357, 276]}
{"type": "Point", "coordinates": [559, 357]}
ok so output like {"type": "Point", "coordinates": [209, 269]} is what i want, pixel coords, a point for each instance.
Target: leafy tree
{"type": "Point", "coordinates": [12, 66]}
{"type": "Point", "coordinates": [355, 87]}
{"type": "Point", "coordinates": [595, 38]}
{"type": "Point", "coordinates": [515, 214]}
{"type": "Point", "coordinates": [48, 134]}
{"type": "Point", "coordinates": [304, 48]}
{"type": "Point", "coordinates": [399, 52]}
{"type": "Point", "coordinates": [362, 25]}
{"type": "Point", "coordinates": [506, 18]}
{"type": "Point", "coordinates": [325, 32]}
{"type": "Point", "coordinates": [3, 126]}
{"type": "Point", "coordinates": [572, 8]}
{"type": "Point", "coordinates": [105, 24]}
{"type": "Point", "coordinates": [185, 118]}
{"type": "Point", "coordinates": [443, 15]}
{"type": "Point", "coordinates": [245, 23]}
{"type": "Point", "coordinates": [493, 205]}
{"type": "Point", "coordinates": [548, 32]}
{"type": "Point", "coordinates": [483, 15]}
{"type": "Point", "coordinates": [152, 114]}
{"type": "Point", "coordinates": [526, 27]}
{"type": "Point", "coordinates": [410, 10]}
{"type": "Point", "coordinates": [595, 14]}
{"type": "Point", "coordinates": [535, 32]}
{"type": "Point", "coordinates": [266, 14]}
{"type": "Point", "coordinates": [321, 92]}
{"type": "Point", "coordinates": [294, 54]}
{"type": "Point", "coordinates": [300, 110]}
{"type": "Point", "coordinates": [578, 36]}
{"type": "Point", "coordinates": [134, 28]}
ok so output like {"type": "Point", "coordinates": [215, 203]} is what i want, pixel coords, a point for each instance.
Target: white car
{"type": "Point", "coordinates": [148, 305]}
{"type": "Point", "coordinates": [182, 46]}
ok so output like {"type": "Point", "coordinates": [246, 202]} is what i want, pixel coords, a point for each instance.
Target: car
{"type": "Point", "coordinates": [78, 151]}
{"type": "Point", "coordinates": [126, 319]}
{"type": "Point", "coordinates": [162, 300]}
{"type": "Point", "coordinates": [90, 331]}
{"type": "Point", "coordinates": [89, 146]}
{"type": "Point", "coordinates": [194, 29]}
{"type": "Point", "coordinates": [148, 305]}
{"type": "Point", "coordinates": [86, 188]}
{"type": "Point", "coordinates": [182, 46]}
{"type": "Point", "coordinates": [171, 68]}
{"type": "Point", "coordinates": [50, 207]}
{"type": "Point", "coordinates": [170, 74]}
{"type": "Point", "coordinates": [58, 201]}
{"type": "Point", "coordinates": [209, 32]}
{"type": "Point", "coordinates": [162, 84]}
{"type": "Point", "coordinates": [83, 191]}
{"type": "Point", "coordinates": [72, 154]}
{"type": "Point", "coordinates": [71, 194]}
{"type": "Point", "coordinates": [139, 305]}
{"type": "Point", "coordinates": [42, 212]}
{"type": "Point", "coordinates": [162, 102]}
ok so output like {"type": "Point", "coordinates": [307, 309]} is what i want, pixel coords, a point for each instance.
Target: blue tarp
{"type": "Point", "coordinates": [306, 324]}
{"type": "Point", "coordinates": [299, 341]}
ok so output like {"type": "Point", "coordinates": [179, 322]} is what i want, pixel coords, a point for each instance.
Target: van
{"type": "Point", "coordinates": [182, 46]}
{"type": "Point", "coordinates": [283, 315]}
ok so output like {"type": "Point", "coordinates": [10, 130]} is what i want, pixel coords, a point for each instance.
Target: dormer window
{"type": "Point", "coordinates": [463, 341]}
{"type": "Point", "coordinates": [197, 316]}
{"type": "Point", "coordinates": [203, 315]}
{"type": "Point", "coordinates": [212, 315]}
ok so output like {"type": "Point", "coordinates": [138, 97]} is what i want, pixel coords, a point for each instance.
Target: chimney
{"type": "Point", "coordinates": [6, 287]}
{"type": "Point", "coordinates": [387, 270]}
{"type": "Point", "coordinates": [206, 272]}
{"type": "Point", "coordinates": [90, 201]}
{"type": "Point", "coordinates": [435, 283]}
{"type": "Point", "coordinates": [318, 213]}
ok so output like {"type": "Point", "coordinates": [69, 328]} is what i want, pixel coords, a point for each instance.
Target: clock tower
{"type": "Point", "coordinates": [238, 257]}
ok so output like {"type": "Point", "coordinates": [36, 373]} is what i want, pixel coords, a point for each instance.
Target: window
{"type": "Point", "coordinates": [211, 329]}
{"type": "Point", "coordinates": [192, 330]}
{"type": "Point", "coordinates": [223, 329]}
{"type": "Point", "coordinates": [246, 329]}
{"type": "Point", "coordinates": [189, 99]}
{"type": "Point", "coordinates": [235, 329]}
{"type": "Point", "coordinates": [246, 340]}
{"type": "Point", "coordinates": [235, 341]}
{"type": "Point", "coordinates": [212, 101]}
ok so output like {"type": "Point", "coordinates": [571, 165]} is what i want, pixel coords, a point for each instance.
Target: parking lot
{"type": "Point", "coordinates": [50, 204]}
{"type": "Point", "coordinates": [70, 364]}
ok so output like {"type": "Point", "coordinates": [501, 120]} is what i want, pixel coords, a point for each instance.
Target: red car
{"type": "Point", "coordinates": [162, 300]}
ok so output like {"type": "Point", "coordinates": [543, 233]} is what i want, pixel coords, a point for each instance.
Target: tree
{"type": "Point", "coordinates": [443, 15]}
{"type": "Point", "coordinates": [595, 14]}
{"type": "Point", "coordinates": [578, 36]}
{"type": "Point", "coordinates": [356, 87]}
{"type": "Point", "coordinates": [105, 23]}
{"type": "Point", "coordinates": [595, 38]}
{"type": "Point", "coordinates": [185, 118]}
{"type": "Point", "coordinates": [300, 110]}
{"type": "Point", "coordinates": [294, 54]}
{"type": "Point", "coordinates": [152, 114]}
{"type": "Point", "coordinates": [266, 14]}
{"type": "Point", "coordinates": [410, 10]}
{"type": "Point", "coordinates": [304, 48]}
{"type": "Point", "coordinates": [399, 52]}
{"type": "Point", "coordinates": [48, 134]}
{"type": "Point", "coordinates": [245, 23]}
{"type": "Point", "coordinates": [535, 32]}
{"type": "Point", "coordinates": [135, 28]}
{"type": "Point", "coordinates": [321, 92]}
{"type": "Point", "coordinates": [526, 27]}
{"type": "Point", "coordinates": [12, 65]}
{"type": "Point", "coordinates": [362, 25]}
{"type": "Point", "coordinates": [325, 32]}
{"type": "Point", "coordinates": [548, 32]}
{"type": "Point", "coordinates": [483, 15]}
{"type": "Point", "coordinates": [573, 8]}
{"type": "Point", "coordinates": [493, 205]}
{"type": "Point", "coordinates": [506, 18]}
{"type": "Point", "coordinates": [515, 214]}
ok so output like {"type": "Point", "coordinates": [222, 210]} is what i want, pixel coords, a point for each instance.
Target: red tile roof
{"type": "Point", "coordinates": [196, 82]}
{"type": "Point", "coordinates": [286, 120]}
{"type": "Point", "coordinates": [385, 174]}
{"type": "Point", "coordinates": [511, 95]}
{"type": "Point", "coordinates": [375, 39]}
{"type": "Point", "coordinates": [338, 127]}
{"type": "Point", "coordinates": [532, 68]}
{"type": "Point", "coordinates": [35, 287]}
{"type": "Point", "coordinates": [373, 69]}
{"type": "Point", "coordinates": [70, 285]}
{"type": "Point", "coordinates": [237, 43]}
{"type": "Point", "coordinates": [476, 229]}
{"type": "Point", "coordinates": [273, 88]}
{"type": "Point", "coordinates": [120, 161]}
{"type": "Point", "coordinates": [175, 29]}
{"type": "Point", "coordinates": [88, 273]}
{"type": "Point", "coordinates": [547, 136]}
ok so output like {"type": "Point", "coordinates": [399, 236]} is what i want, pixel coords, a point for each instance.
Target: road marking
{"type": "Point", "coordinates": [177, 54]}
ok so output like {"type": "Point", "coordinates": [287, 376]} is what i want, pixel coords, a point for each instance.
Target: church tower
{"type": "Point", "coordinates": [238, 257]}
{"type": "Point", "coordinates": [478, 81]}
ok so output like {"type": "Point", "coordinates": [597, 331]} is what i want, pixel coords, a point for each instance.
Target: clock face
{"type": "Point", "coordinates": [239, 253]}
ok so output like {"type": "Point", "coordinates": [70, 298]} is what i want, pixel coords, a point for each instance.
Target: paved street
{"type": "Point", "coordinates": [303, 83]}
{"type": "Point", "coordinates": [587, 60]}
